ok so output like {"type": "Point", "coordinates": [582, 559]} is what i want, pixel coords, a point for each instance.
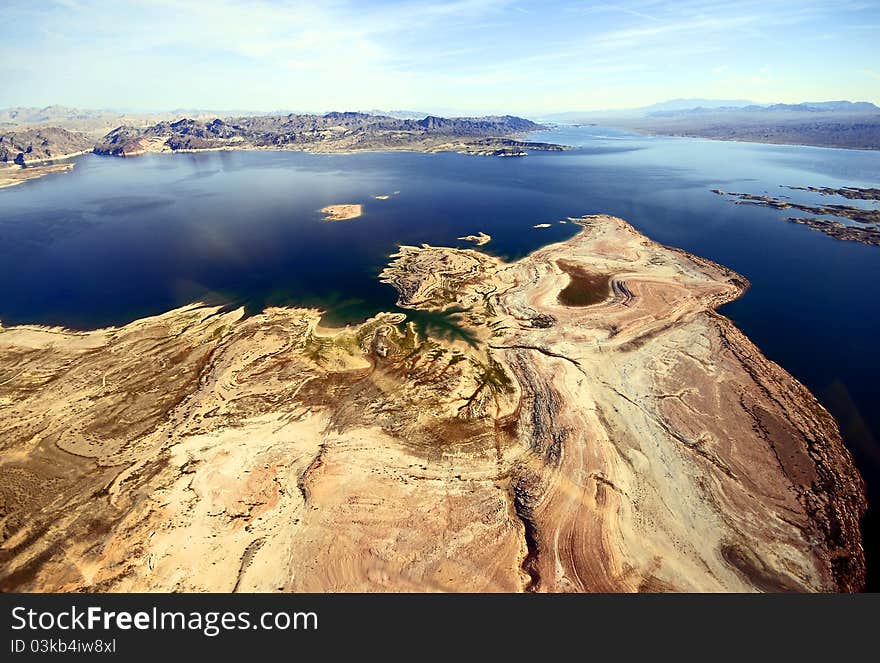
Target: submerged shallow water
{"type": "Point", "coordinates": [118, 239]}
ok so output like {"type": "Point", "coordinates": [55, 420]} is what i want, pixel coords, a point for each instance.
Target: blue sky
{"type": "Point", "coordinates": [464, 56]}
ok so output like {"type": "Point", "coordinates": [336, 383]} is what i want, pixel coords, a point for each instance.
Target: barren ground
{"type": "Point", "coordinates": [636, 443]}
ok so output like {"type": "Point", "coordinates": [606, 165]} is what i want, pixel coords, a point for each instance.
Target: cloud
{"type": "Point", "coordinates": [473, 54]}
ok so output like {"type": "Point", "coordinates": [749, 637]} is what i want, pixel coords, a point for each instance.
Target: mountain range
{"type": "Point", "coordinates": [330, 132]}
{"type": "Point", "coordinates": [846, 124]}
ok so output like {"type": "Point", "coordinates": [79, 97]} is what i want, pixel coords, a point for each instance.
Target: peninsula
{"type": "Point", "coordinates": [604, 430]}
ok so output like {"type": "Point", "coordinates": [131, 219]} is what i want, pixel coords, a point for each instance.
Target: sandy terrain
{"type": "Point", "coordinates": [341, 212]}
{"type": "Point", "coordinates": [12, 175]}
{"type": "Point", "coordinates": [637, 443]}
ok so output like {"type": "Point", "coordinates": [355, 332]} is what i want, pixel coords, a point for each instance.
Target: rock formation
{"type": "Point", "coordinates": [30, 153]}
{"type": "Point", "coordinates": [40, 145]}
{"type": "Point", "coordinates": [867, 234]}
{"type": "Point", "coordinates": [636, 441]}
{"type": "Point", "coordinates": [332, 132]}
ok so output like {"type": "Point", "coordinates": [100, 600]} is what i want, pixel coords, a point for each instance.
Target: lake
{"type": "Point", "coordinates": [118, 239]}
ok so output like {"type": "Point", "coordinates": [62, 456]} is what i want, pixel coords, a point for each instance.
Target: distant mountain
{"type": "Point", "coordinates": [686, 104]}
{"type": "Point", "coordinates": [707, 107]}
{"type": "Point", "coordinates": [399, 114]}
{"type": "Point", "coordinates": [671, 105]}
{"type": "Point", "coordinates": [846, 124]}
{"type": "Point", "coordinates": [92, 121]}
{"type": "Point", "coordinates": [815, 107]}
{"type": "Point", "coordinates": [20, 115]}
{"type": "Point", "coordinates": [819, 107]}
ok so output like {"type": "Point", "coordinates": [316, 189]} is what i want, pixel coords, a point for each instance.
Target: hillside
{"type": "Point", "coordinates": [38, 145]}
{"type": "Point", "coordinates": [328, 132]}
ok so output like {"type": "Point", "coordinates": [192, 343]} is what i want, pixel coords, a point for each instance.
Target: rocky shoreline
{"type": "Point", "coordinates": [869, 233]}
{"type": "Point", "coordinates": [32, 153]}
{"type": "Point", "coordinates": [639, 442]}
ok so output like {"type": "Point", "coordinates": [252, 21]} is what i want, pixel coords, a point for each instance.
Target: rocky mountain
{"type": "Point", "coordinates": [399, 114]}
{"type": "Point", "coordinates": [329, 132]}
{"type": "Point", "coordinates": [39, 145]}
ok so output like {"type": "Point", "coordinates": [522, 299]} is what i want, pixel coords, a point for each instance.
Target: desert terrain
{"type": "Point", "coordinates": [604, 430]}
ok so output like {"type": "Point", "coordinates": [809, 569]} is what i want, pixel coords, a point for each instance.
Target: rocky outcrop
{"type": "Point", "coordinates": [34, 146]}
{"type": "Point", "coordinates": [867, 234]}
{"type": "Point", "coordinates": [634, 442]}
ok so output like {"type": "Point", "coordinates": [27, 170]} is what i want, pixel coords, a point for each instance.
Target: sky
{"type": "Point", "coordinates": [452, 57]}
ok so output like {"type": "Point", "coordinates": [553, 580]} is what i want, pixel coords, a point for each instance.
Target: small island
{"type": "Point", "coordinates": [480, 239]}
{"type": "Point", "coordinates": [342, 212]}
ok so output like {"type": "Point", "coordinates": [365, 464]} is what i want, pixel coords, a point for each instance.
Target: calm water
{"type": "Point", "coordinates": [118, 239]}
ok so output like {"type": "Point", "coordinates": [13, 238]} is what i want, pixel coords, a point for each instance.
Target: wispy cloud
{"type": "Point", "coordinates": [470, 54]}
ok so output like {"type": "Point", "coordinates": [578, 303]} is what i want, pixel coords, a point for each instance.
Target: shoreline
{"type": "Point", "coordinates": [35, 170]}
{"type": "Point", "coordinates": [271, 429]}
{"type": "Point", "coordinates": [257, 148]}
{"type": "Point", "coordinates": [13, 176]}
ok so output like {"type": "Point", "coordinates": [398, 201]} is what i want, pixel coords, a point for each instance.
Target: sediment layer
{"type": "Point", "coordinates": [639, 442]}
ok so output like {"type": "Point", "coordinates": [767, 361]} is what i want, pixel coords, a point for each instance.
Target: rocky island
{"type": "Point", "coordinates": [869, 233]}
{"type": "Point", "coordinates": [342, 212]}
{"type": "Point", "coordinates": [602, 430]}
{"type": "Point", "coordinates": [480, 239]}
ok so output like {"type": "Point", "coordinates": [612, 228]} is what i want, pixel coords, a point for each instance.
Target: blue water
{"type": "Point", "coordinates": [117, 239]}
